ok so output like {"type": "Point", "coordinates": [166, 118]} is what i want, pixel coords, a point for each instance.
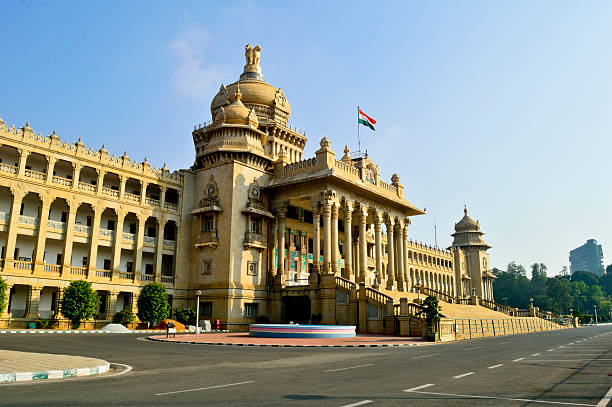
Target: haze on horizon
{"type": "Point", "coordinates": [504, 107]}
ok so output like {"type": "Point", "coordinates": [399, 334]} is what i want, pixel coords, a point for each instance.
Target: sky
{"type": "Point", "coordinates": [503, 106]}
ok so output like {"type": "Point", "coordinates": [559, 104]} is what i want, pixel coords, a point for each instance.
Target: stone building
{"type": "Point", "coordinates": [260, 230]}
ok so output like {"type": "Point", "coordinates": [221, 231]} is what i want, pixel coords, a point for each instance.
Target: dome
{"type": "Point", "coordinates": [237, 112]}
{"type": "Point", "coordinates": [466, 223]}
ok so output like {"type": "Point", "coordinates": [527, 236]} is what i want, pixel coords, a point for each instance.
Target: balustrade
{"type": "Point", "coordinates": [103, 273]}
{"type": "Point", "coordinates": [170, 243]}
{"type": "Point", "coordinates": [131, 197]}
{"type": "Point", "coordinates": [54, 224]}
{"type": "Point", "coordinates": [62, 181]}
{"type": "Point", "coordinates": [87, 187]}
{"type": "Point", "coordinates": [110, 192]}
{"type": "Point", "coordinates": [52, 268]}
{"type": "Point", "coordinates": [171, 206]}
{"type": "Point", "coordinates": [34, 174]}
{"type": "Point", "coordinates": [152, 202]}
{"type": "Point", "coordinates": [150, 240]}
{"type": "Point", "coordinates": [107, 233]}
{"type": "Point", "coordinates": [78, 271]}
{"type": "Point", "coordinates": [129, 236]}
{"type": "Point", "coordinates": [126, 276]}
{"type": "Point", "coordinates": [167, 279]}
{"type": "Point", "coordinates": [28, 220]}
{"type": "Point", "coordinates": [82, 229]}
{"type": "Point", "coordinates": [147, 277]}
{"type": "Point", "coordinates": [23, 265]}
{"type": "Point", "coordinates": [11, 169]}
{"type": "Point", "coordinates": [5, 216]}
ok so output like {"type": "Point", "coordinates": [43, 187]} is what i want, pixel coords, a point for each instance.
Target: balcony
{"type": "Point", "coordinates": [131, 197]}
{"type": "Point", "coordinates": [52, 268]}
{"type": "Point", "coordinates": [254, 240]}
{"type": "Point", "coordinates": [123, 275]}
{"type": "Point", "coordinates": [147, 277]}
{"type": "Point", "coordinates": [107, 233]}
{"type": "Point", "coordinates": [78, 271]}
{"type": "Point", "coordinates": [34, 174]}
{"type": "Point", "coordinates": [5, 216]}
{"type": "Point", "coordinates": [129, 236]}
{"type": "Point", "coordinates": [23, 265]}
{"type": "Point", "coordinates": [152, 202]}
{"type": "Point", "coordinates": [169, 244]}
{"type": "Point", "coordinates": [150, 240]}
{"type": "Point", "coordinates": [62, 181]}
{"type": "Point", "coordinates": [103, 273]}
{"type": "Point", "coordinates": [207, 239]}
{"type": "Point", "coordinates": [54, 224]}
{"type": "Point", "coordinates": [171, 206]}
{"type": "Point", "coordinates": [87, 187]}
{"type": "Point", "coordinates": [82, 229]}
{"type": "Point", "coordinates": [167, 279]}
{"type": "Point", "coordinates": [28, 220]}
{"type": "Point", "coordinates": [9, 169]}
{"type": "Point", "coordinates": [110, 192]}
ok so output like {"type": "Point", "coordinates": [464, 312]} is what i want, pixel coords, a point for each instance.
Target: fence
{"type": "Point", "coordinates": [480, 328]}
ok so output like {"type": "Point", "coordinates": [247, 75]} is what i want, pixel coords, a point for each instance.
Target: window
{"type": "Point", "coordinates": [89, 221]}
{"type": "Point", "coordinates": [133, 228]}
{"type": "Point", "coordinates": [151, 231]}
{"type": "Point", "coordinates": [252, 268]}
{"type": "Point", "coordinates": [110, 225]}
{"type": "Point", "coordinates": [251, 310]}
{"type": "Point", "coordinates": [206, 267]}
{"type": "Point", "coordinates": [129, 266]}
{"type": "Point", "coordinates": [84, 261]}
{"type": "Point", "coordinates": [21, 209]}
{"type": "Point", "coordinates": [107, 264]}
{"type": "Point", "coordinates": [292, 213]}
{"type": "Point", "coordinates": [148, 268]}
{"type": "Point", "coordinates": [63, 219]}
{"type": "Point", "coordinates": [102, 307]}
{"type": "Point", "coordinates": [207, 223]}
{"type": "Point", "coordinates": [255, 225]}
{"type": "Point", "coordinates": [206, 309]}
{"type": "Point", "coordinates": [58, 259]}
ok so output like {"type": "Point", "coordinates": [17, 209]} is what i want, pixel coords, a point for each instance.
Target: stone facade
{"type": "Point", "coordinates": [260, 230]}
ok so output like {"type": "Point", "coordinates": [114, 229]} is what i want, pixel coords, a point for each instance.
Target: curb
{"type": "Point", "coordinates": [383, 345]}
{"type": "Point", "coordinates": [90, 331]}
{"type": "Point", "coordinates": [53, 374]}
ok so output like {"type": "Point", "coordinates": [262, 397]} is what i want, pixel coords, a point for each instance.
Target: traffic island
{"type": "Point", "coordinates": [19, 367]}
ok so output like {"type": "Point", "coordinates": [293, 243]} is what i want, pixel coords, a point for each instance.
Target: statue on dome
{"type": "Point", "coordinates": [252, 55]}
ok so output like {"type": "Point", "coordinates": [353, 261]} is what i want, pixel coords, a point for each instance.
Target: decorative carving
{"type": "Point", "coordinates": [255, 198]}
{"type": "Point", "coordinates": [220, 116]}
{"type": "Point", "coordinates": [279, 98]}
{"type": "Point", "coordinates": [325, 142]}
{"type": "Point", "coordinates": [252, 54]}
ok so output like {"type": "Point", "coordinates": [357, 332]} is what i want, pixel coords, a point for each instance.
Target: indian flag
{"type": "Point", "coordinates": [366, 120]}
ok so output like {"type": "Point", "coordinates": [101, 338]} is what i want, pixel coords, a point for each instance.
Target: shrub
{"type": "Point", "coordinates": [432, 312]}
{"type": "Point", "coordinates": [153, 303]}
{"type": "Point", "coordinates": [184, 314]}
{"type": "Point", "coordinates": [124, 317]}
{"type": "Point", "coordinates": [42, 323]}
{"type": "Point", "coordinates": [79, 302]}
{"type": "Point", "coordinates": [3, 295]}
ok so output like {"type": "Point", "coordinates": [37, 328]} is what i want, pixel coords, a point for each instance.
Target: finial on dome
{"type": "Point", "coordinates": [346, 149]}
{"type": "Point", "coordinates": [238, 95]}
{"type": "Point", "coordinates": [465, 211]}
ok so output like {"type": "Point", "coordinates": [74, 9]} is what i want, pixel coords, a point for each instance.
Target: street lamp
{"type": "Point", "coordinates": [418, 288]}
{"type": "Point", "coordinates": [531, 301]}
{"type": "Point", "coordinates": [595, 306]}
{"type": "Point", "coordinates": [198, 293]}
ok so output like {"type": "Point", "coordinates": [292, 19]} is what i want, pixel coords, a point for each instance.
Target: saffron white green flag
{"type": "Point", "coordinates": [366, 120]}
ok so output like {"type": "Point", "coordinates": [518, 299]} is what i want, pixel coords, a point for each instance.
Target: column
{"type": "Point", "coordinates": [23, 158]}
{"type": "Point", "coordinates": [272, 249]}
{"type": "Point", "coordinates": [11, 240]}
{"type": "Point", "coordinates": [334, 238]}
{"type": "Point", "coordinates": [162, 197]}
{"type": "Point", "coordinates": [32, 301]}
{"type": "Point", "coordinates": [400, 256]}
{"type": "Point", "coordinates": [348, 241]}
{"type": "Point", "coordinates": [316, 238]}
{"type": "Point", "coordinates": [93, 245]}
{"type": "Point", "coordinates": [390, 223]}
{"type": "Point", "coordinates": [363, 254]}
{"type": "Point", "coordinates": [378, 241]}
{"type": "Point", "coordinates": [280, 269]}
{"type": "Point", "coordinates": [122, 181]}
{"type": "Point", "coordinates": [139, 244]}
{"type": "Point", "coordinates": [407, 282]}
{"type": "Point", "coordinates": [100, 180]}
{"type": "Point", "coordinates": [69, 236]}
{"type": "Point", "coordinates": [111, 304]}
{"type": "Point", "coordinates": [4, 314]}
{"type": "Point", "coordinates": [143, 191]}
{"type": "Point", "coordinates": [159, 248]}
{"type": "Point", "coordinates": [117, 243]}
{"type": "Point", "coordinates": [326, 237]}
{"type": "Point", "coordinates": [76, 174]}
{"type": "Point", "coordinates": [50, 165]}
{"type": "Point", "coordinates": [42, 232]}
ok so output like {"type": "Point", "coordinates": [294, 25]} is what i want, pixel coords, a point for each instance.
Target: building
{"type": "Point", "coordinates": [588, 257]}
{"type": "Point", "coordinates": [260, 230]}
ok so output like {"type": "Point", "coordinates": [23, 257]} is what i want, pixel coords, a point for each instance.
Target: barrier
{"type": "Point", "coordinates": [301, 331]}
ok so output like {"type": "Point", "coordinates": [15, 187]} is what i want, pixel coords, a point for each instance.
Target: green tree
{"type": "Point", "coordinates": [538, 284]}
{"type": "Point", "coordinates": [184, 314]}
{"type": "Point", "coordinates": [153, 304]}
{"type": "Point", "coordinates": [431, 309]}
{"type": "Point", "coordinates": [605, 282]}
{"type": "Point", "coordinates": [609, 269]}
{"type": "Point", "coordinates": [586, 277]}
{"type": "Point", "coordinates": [559, 292]}
{"type": "Point", "coordinates": [80, 302]}
{"type": "Point", "coordinates": [124, 317]}
{"type": "Point", "coordinates": [3, 295]}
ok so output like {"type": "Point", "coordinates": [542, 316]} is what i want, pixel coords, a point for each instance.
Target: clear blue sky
{"type": "Point", "coordinates": [505, 106]}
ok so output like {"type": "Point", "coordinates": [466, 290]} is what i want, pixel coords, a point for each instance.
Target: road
{"type": "Point", "coordinates": [566, 368]}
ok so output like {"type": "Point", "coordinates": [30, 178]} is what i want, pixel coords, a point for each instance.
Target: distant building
{"type": "Point", "coordinates": [588, 257]}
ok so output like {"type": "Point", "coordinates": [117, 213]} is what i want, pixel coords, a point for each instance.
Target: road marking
{"type": "Point", "coordinates": [418, 387]}
{"type": "Point", "coordinates": [346, 368]}
{"type": "Point", "coordinates": [506, 398]}
{"type": "Point", "coordinates": [425, 356]}
{"type": "Point", "coordinates": [503, 343]}
{"type": "Point", "coordinates": [570, 360]}
{"type": "Point", "coordinates": [205, 388]}
{"type": "Point", "coordinates": [477, 347]}
{"type": "Point", "coordinates": [549, 350]}
{"type": "Point", "coordinates": [359, 403]}
{"type": "Point", "coordinates": [562, 346]}
{"type": "Point", "coordinates": [495, 366]}
{"type": "Point", "coordinates": [604, 401]}
{"type": "Point", "coordinates": [463, 375]}
{"type": "Point", "coordinates": [519, 359]}
{"type": "Point", "coordinates": [536, 354]}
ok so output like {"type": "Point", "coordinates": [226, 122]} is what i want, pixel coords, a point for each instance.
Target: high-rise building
{"type": "Point", "coordinates": [588, 257]}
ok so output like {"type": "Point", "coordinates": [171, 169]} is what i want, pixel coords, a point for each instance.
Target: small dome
{"type": "Point", "coordinates": [466, 223]}
{"type": "Point", "coordinates": [237, 112]}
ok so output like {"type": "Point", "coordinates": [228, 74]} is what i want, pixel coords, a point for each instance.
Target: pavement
{"type": "Point", "coordinates": [570, 367]}
{"type": "Point", "coordinates": [29, 366]}
{"type": "Point", "coordinates": [244, 339]}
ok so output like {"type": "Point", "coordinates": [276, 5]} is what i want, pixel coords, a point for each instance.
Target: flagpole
{"type": "Point", "coordinates": [358, 136]}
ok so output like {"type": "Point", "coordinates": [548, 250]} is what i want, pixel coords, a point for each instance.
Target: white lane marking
{"type": "Point", "coordinates": [477, 347]}
{"type": "Point", "coordinates": [359, 403]}
{"type": "Point", "coordinates": [425, 356]}
{"type": "Point", "coordinates": [604, 401]}
{"type": "Point", "coordinates": [506, 398]}
{"type": "Point", "coordinates": [549, 350]}
{"type": "Point", "coordinates": [517, 360]}
{"type": "Point", "coordinates": [562, 346]}
{"type": "Point", "coordinates": [419, 387]}
{"type": "Point", "coordinates": [504, 343]}
{"type": "Point", "coordinates": [346, 368]}
{"type": "Point", "coordinates": [495, 366]}
{"type": "Point", "coordinates": [536, 354]}
{"type": "Point", "coordinates": [570, 360]}
{"type": "Point", "coordinates": [463, 375]}
{"type": "Point", "coordinates": [205, 388]}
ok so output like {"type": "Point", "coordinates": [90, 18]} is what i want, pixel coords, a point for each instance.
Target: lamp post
{"type": "Point", "coordinates": [531, 302]}
{"type": "Point", "coordinates": [418, 288]}
{"type": "Point", "coordinates": [198, 293]}
{"type": "Point", "coordinates": [595, 306]}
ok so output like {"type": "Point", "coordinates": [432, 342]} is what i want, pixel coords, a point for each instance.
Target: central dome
{"type": "Point", "coordinates": [466, 223]}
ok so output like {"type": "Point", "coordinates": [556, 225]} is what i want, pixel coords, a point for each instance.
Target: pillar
{"type": "Point", "coordinates": [93, 245]}
{"type": "Point", "coordinates": [316, 239]}
{"type": "Point", "coordinates": [159, 247]}
{"type": "Point", "coordinates": [11, 240]}
{"type": "Point", "coordinates": [76, 174]}
{"type": "Point", "coordinates": [363, 254]}
{"type": "Point", "coordinates": [117, 243]}
{"type": "Point", "coordinates": [32, 302]}
{"type": "Point", "coordinates": [334, 238]}
{"type": "Point", "coordinates": [23, 158]}
{"type": "Point", "coordinates": [50, 165]}
{"type": "Point", "coordinates": [280, 269]}
{"type": "Point", "coordinates": [400, 256]}
{"type": "Point", "coordinates": [162, 197]}
{"type": "Point", "coordinates": [111, 304]}
{"type": "Point", "coordinates": [348, 241]}
{"type": "Point", "coordinates": [407, 282]}
{"type": "Point", "coordinates": [378, 241]}
{"type": "Point", "coordinates": [139, 244]}
{"type": "Point", "coordinates": [58, 300]}
{"type": "Point", "coordinates": [326, 237]}
{"type": "Point", "coordinates": [391, 257]}
{"type": "Point", "coordinates": [41, 239]}
{"type": "Point", "coordinates": [272, 249]}
{"type": "Point", "coordinates": [4, 314]}
{"type": "Point", "coordinates": [122, 181]}
{"type": "Point", "coordinates": [143, 191]}
{"type": "Point", "coordinates": [100, 180]}
{"type": "Point", "coordinates": [69, 236]}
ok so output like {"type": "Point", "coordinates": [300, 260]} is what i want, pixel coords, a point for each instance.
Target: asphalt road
{"type": "Point", "coordinates": [568, 367]}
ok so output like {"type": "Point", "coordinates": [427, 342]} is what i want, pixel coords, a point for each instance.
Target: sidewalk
{"type": "Point", "coordinates": [26, 366]}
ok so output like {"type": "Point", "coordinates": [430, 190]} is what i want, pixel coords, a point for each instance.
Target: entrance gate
{"type": "Point", "coordinates": [296, 310]}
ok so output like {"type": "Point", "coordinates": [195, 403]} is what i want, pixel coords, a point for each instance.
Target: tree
{"type": "Point", "coordinates": [559, 292]}
{"type": "Point", "coordinates": [516, 270]}
{"type": "Point", "coordinates": [538, 283]}
{"type": "Point", "coordinates": [609, 269]}
{"type": "Point", "coordinates": [124, 317]}
{"type": "Point", "coordinates": [3, 295]}
{"type": "Point", "coordinates": [153, 303]}
{"type": "Point", "coordinates": [586, 277]}
{"type": "Point", "coordinates": [184, 314]}
{"type": "Point", "coordinates": [80, 302]}
{"type": "Point", "coordinates": [431, 311]}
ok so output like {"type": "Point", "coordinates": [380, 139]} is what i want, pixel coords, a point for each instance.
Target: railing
{"type": "Point", "coordinates": [167, 279]}
{"type": "Point", "coordinates": [150, 240]}
{"type": "Point", "coordinates": [377, 296]}
{"type": "Point", "coordinates": [387, 187]}
{"type": "Point", "coordinates": [440, 295]}
{"type": "Point", "coordinates": [54, 224]}
{"type": "Point", "coordinates": [104, 273]}
{"type": "Point", "coordinates": [251, 237]}
{"type": "Point", "coordinates": [52, 268]}
{"type": "Point", "coordinates": [78, 271]}
{"type": "Point", "coordinates": [125, 275]}
{"type": "Point", "coordinates": [311, 162]}
{"type": "Point", "coordinates": [129, 236]}
{"type": "Point", "coordinates": [171, 206]}
{"type": "Point", "coordinates": [345, 284]}
{"type": "Point", "coordinates": [110, 192]}
{"type": "Point", "coordinates": [23, 265]}
{"type": "Point", "coordinates": [62, 181]}
{"type": "Point", "coordinates": [522, 313]}
{"type": "Point", "coordinates": [170, 243]}
{"type": "Point", "coordinates": [152, 202]}
{"type": "Point", "coordinates": [82, 229]}
{"type": "Point", "coordinates": [348, 168]}
{"type": "Point", "coordinates": [87, 187]}
{"type": "Point", "coordinates": [28, 220]}
{"type": "Point", "coordinates": [147, 277]}
{"type": "Point", "coordinates": [34, 174]}
{"type": "Point", "coordinates": [496, 307]}
{"type": "Point", "coordinates": [464, 301]}
{"type": "Point", "coordinates": [107, 233]}
{"type": "Point", "coordinates": [131, 197]}
{"type": "Point", "coordinates": [478, 328]}
{"type": "Point", "coordinates": [11, 169]}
